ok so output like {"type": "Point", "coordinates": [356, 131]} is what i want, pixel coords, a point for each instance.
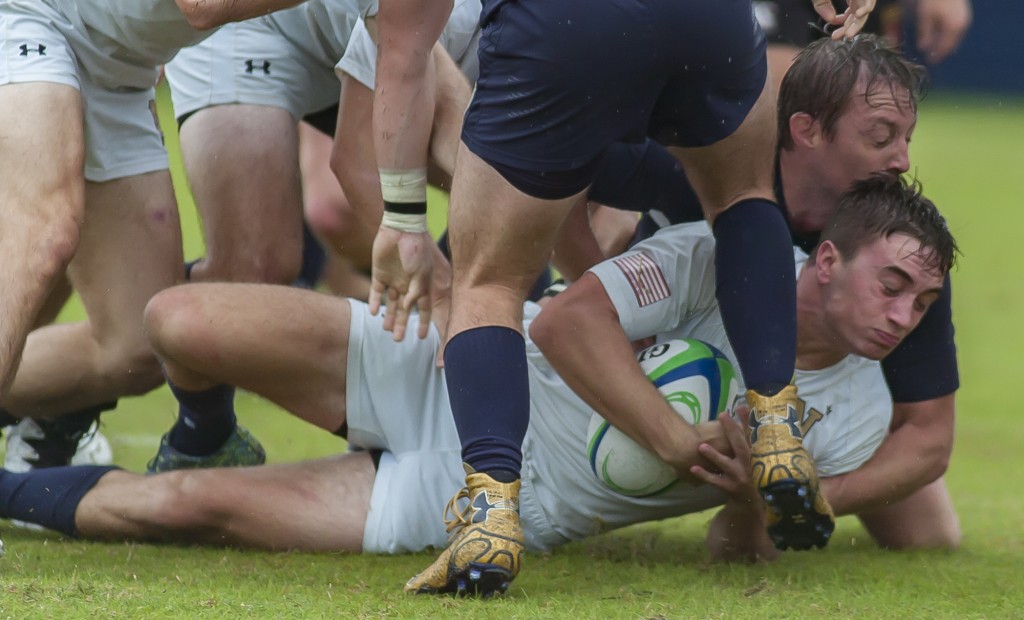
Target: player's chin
{"type": "Point", "coordinates": [874, 350]}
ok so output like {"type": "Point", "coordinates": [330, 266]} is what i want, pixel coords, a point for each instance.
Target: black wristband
{"type": "Point", "coordinates": [406, 208]}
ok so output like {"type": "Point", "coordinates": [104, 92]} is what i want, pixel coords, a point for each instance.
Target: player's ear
{"type": "Point", "coordinates": [826, 258]}
{"type": "Point", "coordinates": [805, 130]}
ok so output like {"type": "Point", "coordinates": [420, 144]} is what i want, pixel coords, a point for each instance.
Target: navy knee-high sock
{"type": "Point", "coordinates": [756, 290]}
{"type": "Point", "coordinates": [48, 497]}
{"type": "Point", "coordinates": [205, 419]}
{"type": "Point", "coordinates": [489, 390]}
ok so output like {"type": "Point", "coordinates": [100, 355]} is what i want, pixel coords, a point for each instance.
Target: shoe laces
{"type": "Point", "coordinates": [456, 517]}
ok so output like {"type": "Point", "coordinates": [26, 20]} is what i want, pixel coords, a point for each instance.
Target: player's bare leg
{"type": "Point", "coordinates": [924, 520]}
{"type": "Point", "coordinates": [500, 240]}
{"type": "Point", "coordinates": [288, 345]}
{"type": "Point", "coordinates": [737, 172]}
{"type": "Point", "coordinates": [42, 203]}
{"type": "Point", "coordinates": [130, 249]}
{"type": "Point", "coordinates": [243, 166]}
{"type": "Point", "coordinates": [311, 506]}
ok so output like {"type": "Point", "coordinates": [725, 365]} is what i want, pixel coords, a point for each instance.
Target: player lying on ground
{"type": "Point", "coordinates": [880, 264]}
{"type": "Point", "coordinates": [828, 141]}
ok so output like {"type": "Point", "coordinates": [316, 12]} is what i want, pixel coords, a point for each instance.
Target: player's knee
{"type": "Point", "coordinates": [55, 242]}
{"type": "Point", "coordinates": [176, 321]}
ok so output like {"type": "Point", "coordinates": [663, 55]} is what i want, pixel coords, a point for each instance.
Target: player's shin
{"type": "Point", "coordinates": [488, 387]}
{"type": "Point", "coordinates": [756, 290]}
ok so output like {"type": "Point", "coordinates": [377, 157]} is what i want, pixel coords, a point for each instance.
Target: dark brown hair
{"type": "Point", "coordinates": [884, 205]}
{"type": "Point", "coordinates": [821, 81]}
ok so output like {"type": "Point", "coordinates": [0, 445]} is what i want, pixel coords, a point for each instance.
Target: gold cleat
{"type": "Point", "coordinates": [799, 517]}
{"type": "Point", "coordinates": [485, 545]}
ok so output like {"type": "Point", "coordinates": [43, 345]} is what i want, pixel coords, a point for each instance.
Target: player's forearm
{"type": "Point", "coordinates": [207, 14]}
{"type": "Point", "coordinates": [737, 534]}
{"type": "Point", "coordinates": [352, 159]}
{"type": "Point", "coordinates": [405, 93]}
{"type": "Point", "coordinates": [915, 453]}
{"type": "Point", "coordinates": [583, 341]}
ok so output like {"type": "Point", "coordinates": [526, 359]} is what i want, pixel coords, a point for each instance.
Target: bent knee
{"type": "Point", "coordinates": [176, 320]}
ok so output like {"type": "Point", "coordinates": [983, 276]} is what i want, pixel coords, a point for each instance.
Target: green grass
{"type": "Point", "coordinates": [968, 154]}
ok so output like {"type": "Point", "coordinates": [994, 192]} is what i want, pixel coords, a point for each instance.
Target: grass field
{"type": "Point", "coordinates": [968, 155]}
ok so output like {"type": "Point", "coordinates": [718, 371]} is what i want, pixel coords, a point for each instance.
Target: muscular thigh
{"type": "Point", "coordinates": [41, 150]}
{"type": "Point", "coordinates": [243, 163]}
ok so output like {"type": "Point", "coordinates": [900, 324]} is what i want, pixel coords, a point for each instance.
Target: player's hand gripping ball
{"type": "Point", "coordinates": [697, 380]}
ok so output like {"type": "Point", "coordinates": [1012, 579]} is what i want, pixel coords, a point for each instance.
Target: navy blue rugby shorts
{"type": "Point", "coordinates": [561, 80]}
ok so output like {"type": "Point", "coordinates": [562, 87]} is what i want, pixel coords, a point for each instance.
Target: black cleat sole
{"type": "Point", "coordinates": [798, 526]}
{"type": "Point", "coordinates": [483, 580]}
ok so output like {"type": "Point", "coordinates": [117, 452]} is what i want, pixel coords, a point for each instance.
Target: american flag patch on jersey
{"type": "Point", "coordinates": [644, 276]}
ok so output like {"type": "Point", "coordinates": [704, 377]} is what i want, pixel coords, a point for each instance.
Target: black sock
{"type": "Point", "coordinates": [205, 419]}
{"type": "Point", "coordinates": [48, 497]}
{"type": "Point", "coordinates": [489, 390]}
{"type": "Point", "coordinates": [756, 289]}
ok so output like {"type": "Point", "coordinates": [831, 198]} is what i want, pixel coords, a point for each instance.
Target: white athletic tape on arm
{"type": "Point", "coordinates": [403, 186]}
{"type": "Point", "coordinates": [405, 199]}
{"type": "Point", "coordinates": [405, 222]}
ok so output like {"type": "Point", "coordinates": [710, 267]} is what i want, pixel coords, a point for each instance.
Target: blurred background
{"type": "Point", "coordinates": [991, 57]}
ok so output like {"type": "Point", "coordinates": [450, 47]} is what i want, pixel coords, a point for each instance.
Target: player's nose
{"type": "Point", "coordinates": [900, 160]}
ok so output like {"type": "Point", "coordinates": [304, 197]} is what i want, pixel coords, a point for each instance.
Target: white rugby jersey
{"type": "Point", "coordinates": [665, 286]}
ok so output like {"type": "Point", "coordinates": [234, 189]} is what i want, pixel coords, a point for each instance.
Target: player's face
{"type": "Point", "coordinates": [872, 136]}
{"type": "Point", "coordinates": [879, 296]}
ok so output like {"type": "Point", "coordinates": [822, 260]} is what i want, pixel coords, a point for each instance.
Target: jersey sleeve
{"type": "Point", "coordinates": [662, 281]}
{"type": "Point", "coordinates": [924, 365]}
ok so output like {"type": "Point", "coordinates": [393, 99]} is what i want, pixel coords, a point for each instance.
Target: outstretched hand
{"type": "Point", "coordinates": [402, 270]}
{"type": "Point", "coordinates": [850, 22]}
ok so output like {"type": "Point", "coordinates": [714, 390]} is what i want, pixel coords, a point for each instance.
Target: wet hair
{"type": "Point", "coordinates": [885, 205]}
{"type": "Point", "coordinates": [822, 79]}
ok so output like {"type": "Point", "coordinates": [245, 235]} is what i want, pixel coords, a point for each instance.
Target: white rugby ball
{"type": "Point", "coordinates": [697, 380]}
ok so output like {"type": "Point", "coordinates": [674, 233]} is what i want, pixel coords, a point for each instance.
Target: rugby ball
{"type": "Point", "coordinates": [697, 380]}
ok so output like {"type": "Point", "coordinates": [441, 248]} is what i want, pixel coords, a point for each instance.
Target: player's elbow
{"type": "Point", "coordinates": [542, 331]}
{"type": "Point", "coordinates": [934, 457]}
{"type": "Point", "coordinates": [558, 322]}
{"type": "Point", "coordinates": [200, 15]}
{"type": "Point", "coordinates": [936, 464]}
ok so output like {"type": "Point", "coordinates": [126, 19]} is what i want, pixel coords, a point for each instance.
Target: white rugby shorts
{"type": "Point", "coordinates": [397, 401]}
{"type": "Point", "coordinates": [251, 63]}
